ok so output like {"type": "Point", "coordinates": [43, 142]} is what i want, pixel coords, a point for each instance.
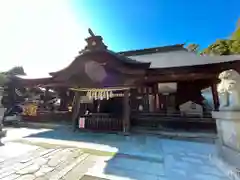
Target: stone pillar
{"type": "Point", "coordinates": [2, 110]}
{"type": "Point", "coordinates": [126, 112]}
{"type": "Point", "coordinates": [228, 128]}
{"type": "Point", "coordinates": [228, 118]}
{"type": "Point", "coordinates": [75, 110]}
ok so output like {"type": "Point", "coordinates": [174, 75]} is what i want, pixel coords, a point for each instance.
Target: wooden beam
{"type": "Point", "coordinates": [178, 77]}
{"type": "Point", "coordinates": [215, 96]}
{"type": "Point", "coordinates": [126, 112]}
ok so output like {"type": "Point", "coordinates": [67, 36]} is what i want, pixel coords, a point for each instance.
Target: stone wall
{"type": "Point", "coordinates": [228, 117]}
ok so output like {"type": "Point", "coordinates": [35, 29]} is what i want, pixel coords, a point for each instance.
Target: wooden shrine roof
{"type": "Point", "coordinates": [196, 72]}
{"type": "Point", "coordinates": [96, 48]}
{"type": "Point", "coordinates": [168, 63]}
{"type": "Point", "coordinates": [27, 81]}
{"type": "Point", "coordinates": [176, 47]}
{"type": "Point", "coordinates": [180, 58]}
{"type": "Point", "coordinates": [171, 74]}
{"type": "Point", "coordinates": [104, 53]}
{"type": "Point", "coordinates": [201, 68]}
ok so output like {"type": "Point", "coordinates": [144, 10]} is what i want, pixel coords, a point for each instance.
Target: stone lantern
{"type": "Point", "coordinates": [2, 132]}
{"type": "Point", "coordinates": [228, 117]}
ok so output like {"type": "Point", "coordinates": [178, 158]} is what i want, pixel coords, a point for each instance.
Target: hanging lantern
{"type": "Point", "coordinates": [89, 95]}
{"type": "Point", "coordinates": [111, 94]}
{"type": "Point", "coordinates": [102, 94]}
{"type": "Point", "coordinates": [95, 95]}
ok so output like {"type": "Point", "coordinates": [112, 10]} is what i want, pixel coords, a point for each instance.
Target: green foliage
{"type": "Point", "coordinates": [223, 47]}
{"type": "Point", "coordinates": [193, 48]}
{"type": "Point", "coordinates": [17, 70]}
{"type": "Point", "coordinates": [236, 34]}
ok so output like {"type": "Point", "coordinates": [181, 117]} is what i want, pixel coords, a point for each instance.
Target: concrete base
{"type": "Point", "coordinates": [231, 156]}
{"type": "Point", "coordinates": [2, 132]}
{"type": "Point", "coordinates": [228, 128]}
{"type": "Point", "coordinates": [230, 171]}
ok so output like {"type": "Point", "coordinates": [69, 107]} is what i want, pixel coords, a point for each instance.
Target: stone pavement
{"type": "Point", "coordinates": [47, 164]}
{"type": "Point", "coordinates": [181, 160]}
{"type": "Point", "coordinates": [11, 150]}
{"type": "Point", "coordinates": [74, 164]}
{"type": "Point", "coordinates": [137, 157]}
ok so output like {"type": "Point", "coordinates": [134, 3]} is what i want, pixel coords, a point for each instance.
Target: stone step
{"type": "Point", "coordinates": [79, 170]}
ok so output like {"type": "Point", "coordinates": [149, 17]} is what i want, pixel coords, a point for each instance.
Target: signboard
{"type": "Point", "coordinates": [191, 108]}
{"type": "Point", "coordinates": [167, 87]}
{"type": "Point", "coordinates": [86, 99]}
{"type": "Point", "coordinates": [81, 122]}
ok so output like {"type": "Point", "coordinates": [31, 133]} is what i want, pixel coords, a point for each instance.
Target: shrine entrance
{"type": "Point", "coordinates": [101, 81]}
{"type": "Point", "coordinates": [101, 110]}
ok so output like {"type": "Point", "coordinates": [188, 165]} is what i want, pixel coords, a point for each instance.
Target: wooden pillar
{"type": "Point", "coordinates": [151, 99]}
{"type": "Point", "coordinates": [75, 110]}
{"type": "Point", "coordinates": [64, 100]}
{"type": "Point", "coordinates": [133, 99]}
{"type": "Point", "coordinates": [215, 96]}
{"type": "Point", "coordinates": [156, 97]}
{"type": "Point", "coordinates": [126, 112]}
{"type": "Point", "coordinates": [46, 94]}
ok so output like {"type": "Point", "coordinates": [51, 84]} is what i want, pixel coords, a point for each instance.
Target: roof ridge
{"type": "Point", "coordinates": [174, 47]}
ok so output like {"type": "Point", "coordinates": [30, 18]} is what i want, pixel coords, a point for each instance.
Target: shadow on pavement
{"type": "Point", "coordinates": [137, 157]}
{"type": "Point", "coordinates": [140, 150]}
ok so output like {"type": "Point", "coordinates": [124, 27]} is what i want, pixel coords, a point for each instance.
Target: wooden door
{"type": "Point", "coordinates": [163, 103]}
{"type": "Point", "coordinates": [171, 105]}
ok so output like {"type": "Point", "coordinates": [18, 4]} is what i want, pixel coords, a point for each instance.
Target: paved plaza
{"type": "Point", "coordinates": [42, 154]}
{"type": "Point", "coordinates": [43, 164]}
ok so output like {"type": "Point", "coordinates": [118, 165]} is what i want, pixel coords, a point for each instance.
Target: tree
{"type": "Point", "coordinates": [223, 47]}
{"type": "Point", "coordinates": [193, 48]}
{"type": "Point", "coordinates": [10, 84]}
{"type": "Point", "coordinates": [236, 34]}
{"type": "Point", "coordinates": [226, 46]}
{"type": "Point", "coordinates": [17, 70]}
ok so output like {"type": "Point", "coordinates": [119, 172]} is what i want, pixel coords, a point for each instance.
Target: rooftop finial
{"type": "Point", "coordinates": [91, 32]}
{"type": "Point", "coordinates": [94, 41]}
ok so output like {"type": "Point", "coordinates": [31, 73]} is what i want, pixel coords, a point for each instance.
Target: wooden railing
{"type": "Point", "coordinates": [102, 122]}
{"type": "Point", "coordinates": [172, 121]}
{"type": "Point", "coordinates": [49, 116]}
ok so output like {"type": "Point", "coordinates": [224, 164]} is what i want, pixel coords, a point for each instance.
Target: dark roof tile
{"type": "Point", "coordinates": [177, 47]}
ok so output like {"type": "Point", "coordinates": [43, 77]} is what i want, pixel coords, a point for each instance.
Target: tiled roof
{"type": "Point", "coordinates": [182, 59]}
{"type": "Point", "coordinates": [126, 59]}
{"type": "Point", "coordinates": [176, 47]}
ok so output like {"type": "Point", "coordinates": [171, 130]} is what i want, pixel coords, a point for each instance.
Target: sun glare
{"type": "Point", "coordinates": [40, 35]}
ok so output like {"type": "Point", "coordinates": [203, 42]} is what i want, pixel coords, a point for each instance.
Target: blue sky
{"type": "Point", "coordinates": [46, 35]}
{"type": "Point", "coordinates": [133, 24]}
